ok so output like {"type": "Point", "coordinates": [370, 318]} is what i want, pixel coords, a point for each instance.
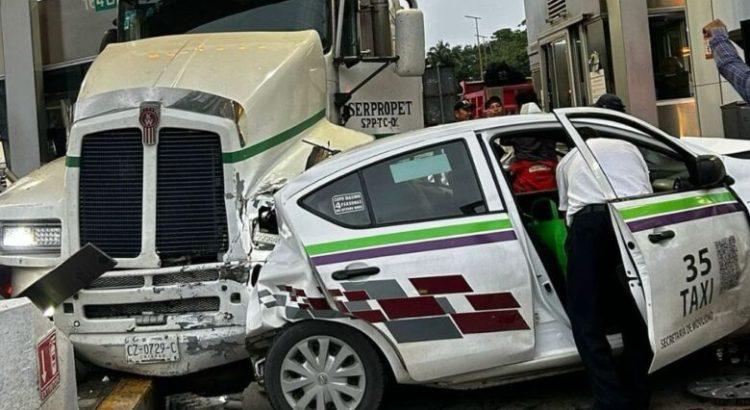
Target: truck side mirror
{"type": "Point", "coordinates": [410, 43]}
{"type": "Point", "coordinates": [710, 172]}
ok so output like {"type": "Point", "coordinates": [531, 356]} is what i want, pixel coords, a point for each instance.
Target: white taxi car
{"type": "Point", "coordinates": [412, 258]}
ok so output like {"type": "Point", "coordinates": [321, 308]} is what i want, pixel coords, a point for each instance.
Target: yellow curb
{"type": "Point", "coordinates": [129, 394]}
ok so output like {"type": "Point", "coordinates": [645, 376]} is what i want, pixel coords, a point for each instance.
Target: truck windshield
{"type": "Point", "coordinates": [139, 19]}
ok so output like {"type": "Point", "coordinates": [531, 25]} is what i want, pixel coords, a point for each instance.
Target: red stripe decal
{"type": "Point", "coordinates": [342, 307]}
{"type": "Point", "coordinates": [492, 301]}
{"type": "Point", "coordinates": [411, 307]}
{"type": "Point", "coordinates": [356, 295]}
{"type": "Point", "coordinates": [372, 316]}
{"type": "Point", "coordinates": [488, 322]}
{"type": "Point", "coordinates": [441, 285]}
{"type": "Point", "coordinates": [299, 292]}
{"type": "Point", "coordinates": [335, 292]}
{"type": "Point", "coordinates": [318, 303]}
{"type": "Point", "coordinates": [304, 306]}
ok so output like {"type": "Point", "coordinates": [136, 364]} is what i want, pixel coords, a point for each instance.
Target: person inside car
{"type": "Point", "coordinates": [534, 163]}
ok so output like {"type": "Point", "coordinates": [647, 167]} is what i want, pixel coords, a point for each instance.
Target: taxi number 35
{"type": "Point", "coordinates": [699, 291]}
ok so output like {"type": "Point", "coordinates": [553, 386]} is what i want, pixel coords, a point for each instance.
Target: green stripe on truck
{"type": "Point", "coordinates": [253, 150]}
{"type": "Point", "coordinates": [73, 162]}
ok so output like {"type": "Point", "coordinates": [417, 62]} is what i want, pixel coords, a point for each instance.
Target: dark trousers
{"type": "Point", "coordinates": [598, 300]}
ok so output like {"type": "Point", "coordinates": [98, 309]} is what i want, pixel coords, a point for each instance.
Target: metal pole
{"type": "Point", "coordinates": [631, 61]}
{"type": "Point", "coordinates": [22, 53]}
{"type": "Point", "coordinates": [487, 49]}
{"type": "Point", "coordinates": [440, 92]}
{"type": "Point", "coordinates": [479, 45]}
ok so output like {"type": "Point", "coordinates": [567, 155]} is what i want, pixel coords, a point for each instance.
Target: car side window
{"type": "Point", "coordinates": [668, 171]}
{"type": "Point", "coordinates": [433, 183]}
{"type": "Point", "coordinates": [342, 201]}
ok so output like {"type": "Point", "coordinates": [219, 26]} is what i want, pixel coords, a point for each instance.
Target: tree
{"type": "Point", "coordinates": [506, 56]}
{"type": "Point", "coordinates": [441, 53]}
{"type": "Point", "coordinates": [511, 47]}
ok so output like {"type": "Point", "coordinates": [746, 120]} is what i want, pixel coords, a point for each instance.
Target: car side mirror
{"type": "Point", "coordinates": [410, 43]}
{"type": "Point", "coordinates": [710, 172]}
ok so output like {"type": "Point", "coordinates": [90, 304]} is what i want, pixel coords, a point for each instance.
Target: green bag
{"type": "Point", "coordinates": [551, 230]}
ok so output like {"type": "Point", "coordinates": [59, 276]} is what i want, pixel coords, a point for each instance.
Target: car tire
{"type": "Point", "coordinates": [352, 370]}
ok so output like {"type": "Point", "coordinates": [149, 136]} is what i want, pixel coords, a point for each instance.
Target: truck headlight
{"type": "Point", "coordinates": [31, 237]}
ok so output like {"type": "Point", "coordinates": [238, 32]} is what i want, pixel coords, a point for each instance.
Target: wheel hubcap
{"type": "Point", "coordinates": [322, 373]}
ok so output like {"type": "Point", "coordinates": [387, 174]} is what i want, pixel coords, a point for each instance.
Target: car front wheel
{"type": "Point", "coordinates": [323, 366]}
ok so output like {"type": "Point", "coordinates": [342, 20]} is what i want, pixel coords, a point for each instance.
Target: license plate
{"type": "Point", "coordinates": [152, 349]}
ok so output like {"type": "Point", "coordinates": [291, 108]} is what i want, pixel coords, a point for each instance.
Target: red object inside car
{"type": "Point", "coordinates": [533, 176]}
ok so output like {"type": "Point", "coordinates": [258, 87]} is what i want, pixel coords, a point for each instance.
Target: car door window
{"type": "Point", "coordinates": [668, 171]}
{"type": "Point", "coordinates": [437, 182]}
{"type": "Point", "coordinates": [341, 202]}
{"type": "Point", "coordinates": [434, 183]}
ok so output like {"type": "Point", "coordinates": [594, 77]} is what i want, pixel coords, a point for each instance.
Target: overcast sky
{"type": "Point", "coordinates": [445, 18]}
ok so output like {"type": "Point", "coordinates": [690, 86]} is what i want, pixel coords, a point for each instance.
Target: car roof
{"type": "Point", "coordinates": [367, 151]}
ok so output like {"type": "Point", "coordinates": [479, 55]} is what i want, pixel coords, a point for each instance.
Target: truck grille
{"type": "Point", "coordinates": [117, 282]}
{"type": "Point", "coordinates": [170, 307]}
{"type": "Point", "coordinates": [190, 213]}
{"type": "Point", "coordinates": [186, 277]}
{"type": "Point", "coordinates": [111, 192]}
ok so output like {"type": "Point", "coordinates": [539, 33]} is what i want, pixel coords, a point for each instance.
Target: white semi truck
{"type": "Point", "coordinates": [177, 139]}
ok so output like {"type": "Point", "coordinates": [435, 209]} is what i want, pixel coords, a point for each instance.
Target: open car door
{"type": "Point", "coordinates": [689, 248]}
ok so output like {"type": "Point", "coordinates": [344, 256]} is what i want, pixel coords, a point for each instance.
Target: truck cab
{"type": "Point", "coordinates": [180, 130]}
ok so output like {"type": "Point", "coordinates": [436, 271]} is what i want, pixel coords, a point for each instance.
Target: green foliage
{"type": "Point", "coordinates": [506, 46]}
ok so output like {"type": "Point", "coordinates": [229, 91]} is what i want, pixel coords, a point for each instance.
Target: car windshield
{"type": "Point", "coordinates": [151, 18]}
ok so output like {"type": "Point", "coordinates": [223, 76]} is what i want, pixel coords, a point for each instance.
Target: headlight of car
{"type": "Point", "coordinates": [30, 237]}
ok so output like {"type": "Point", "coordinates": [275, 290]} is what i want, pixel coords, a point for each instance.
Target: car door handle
{"type": "Point", "coordinates": [355, 273]}
{"type": "Point", "coordinates": [661, 236]}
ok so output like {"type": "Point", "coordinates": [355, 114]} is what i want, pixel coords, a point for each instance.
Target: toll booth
{"type": "Point", "coordinates": [649, 52]}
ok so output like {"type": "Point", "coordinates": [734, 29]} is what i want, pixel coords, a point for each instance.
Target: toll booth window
{"type": "Point", "coordinates": [342, 202]}
{"type": "Point", "coordinates": [434, 183]}
{"type": "Point", "coordinates": [671, 50]}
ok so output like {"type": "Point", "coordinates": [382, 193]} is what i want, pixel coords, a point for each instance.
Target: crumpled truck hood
{"type": "Point", "coordinates": [40, 192]}
{"type": "Point", "coordinates": [278, 79]}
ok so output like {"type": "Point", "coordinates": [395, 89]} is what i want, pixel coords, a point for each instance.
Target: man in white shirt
{"type": "Point", "coordinates": [595, 291]}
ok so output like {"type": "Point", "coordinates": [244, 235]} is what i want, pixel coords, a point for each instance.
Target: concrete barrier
{"type": "Point", "coordinates": [37, 369]}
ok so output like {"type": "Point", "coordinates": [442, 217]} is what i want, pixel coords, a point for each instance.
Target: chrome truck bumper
{"type": "Point", "coordinates": [202, 308]}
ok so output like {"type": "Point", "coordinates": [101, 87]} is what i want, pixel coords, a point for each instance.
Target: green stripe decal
{"type": "Point", "coordinates": [73, 162]}
{"type": "Point", "coordinates": [253, 150]}
{"type": "Point", "coordinates": [400, 237]}
{"type": "Point", "coordinates": [681, 204]}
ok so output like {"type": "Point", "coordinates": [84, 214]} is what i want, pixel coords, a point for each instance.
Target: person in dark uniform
{"type": "Point", "coordinates": [597, 293]}
{"type": "Point", "coordinates": [463, 111]}
{"type": "Point", "coordinates": [610, 102]}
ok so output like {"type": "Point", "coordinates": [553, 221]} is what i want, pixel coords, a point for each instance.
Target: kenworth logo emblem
{"type": "Point", "coordinates": [149, 118]}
